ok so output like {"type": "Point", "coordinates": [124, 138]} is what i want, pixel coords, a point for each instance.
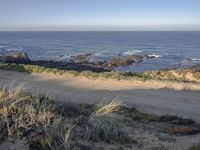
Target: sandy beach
{"type": "Point", "coordinates": [152, 96]}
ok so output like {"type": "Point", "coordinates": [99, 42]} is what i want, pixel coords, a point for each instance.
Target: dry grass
{"type": "Point", "coordinates": [66, 138]}
{"type": "Point", "coordinates": [104, 124]}
{"type": "Point", "coordinates": [11, 96]}
{"type": "Point", "coordinates": [20, 111]}
{"type": "Point", "coordinates": [82, 126]}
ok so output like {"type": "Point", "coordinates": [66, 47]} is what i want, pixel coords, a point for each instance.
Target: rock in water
{"type": "Point", "coordinates": [19, 57]}
{"type": "Point", "coordinates": [126, 60]}
{"type": "Point", "coordinates": [81, 58]}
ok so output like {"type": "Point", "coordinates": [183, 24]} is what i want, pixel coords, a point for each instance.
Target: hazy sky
{"type": "Point", "coordinates": [99, 14]}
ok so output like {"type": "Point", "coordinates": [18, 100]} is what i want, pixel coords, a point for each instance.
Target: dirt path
{"type": "Point", "coordinates": [147, 96]}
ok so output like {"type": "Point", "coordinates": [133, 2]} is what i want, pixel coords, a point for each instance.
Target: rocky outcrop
{"type": "Point", "coordinates": [96, 67]}
{"type": "Point", "coordinates": [81, 58]}
{"type": "Point", "coordinates": [116, 62]}
{"type": "Point", "coordinates": [77, 62]}
{"type": "Point", "coordinates": [126, 60]}
{"type": "Point", "coordinates": [19, 57]}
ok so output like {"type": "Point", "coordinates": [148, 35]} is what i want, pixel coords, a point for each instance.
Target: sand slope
{"type": "Point", "coordinates": [151, 96]}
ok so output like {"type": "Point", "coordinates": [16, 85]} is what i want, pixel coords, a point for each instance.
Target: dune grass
{"type": "Point", "coordinates": [33, 115]}
{"type": "Point", "coordinates": [21, 112]}
{"type": "Point", "coordinates": [105, 123]}
{"type": "Point", "coordinates": [48, 125]}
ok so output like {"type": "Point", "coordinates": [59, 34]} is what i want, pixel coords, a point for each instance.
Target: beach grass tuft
{"type": "Point", "coordinates": [105, 124]}
{"type": "Point", "coordinates": [21, 112]}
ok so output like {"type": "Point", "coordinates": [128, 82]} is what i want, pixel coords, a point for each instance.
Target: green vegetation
{"type": "Point", "coordinates": [195, 147]}
{"type": "Point", "coordinates": [134, 114]}
{"type": "Point", "coordinates": [186, 75]}
{"type": "Point", "coordinates": [181, 131]}
{"type": "Point", "coordinates": [48, 126]}
{"type": "Point", "coordinates": [51, 125]}
{"type": "Point", "coordinates": [88, 74]}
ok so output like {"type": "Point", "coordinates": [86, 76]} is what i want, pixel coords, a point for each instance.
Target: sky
{"type": "Point", "coordinates": [70, 15]}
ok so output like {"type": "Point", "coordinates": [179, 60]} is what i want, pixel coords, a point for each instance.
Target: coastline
{"type": "Point", "coordinates": [111, 84]}
{"type": "Point", "coordinates": [187, 79]}
{"type": "Point", "coordinates": [167, 51]}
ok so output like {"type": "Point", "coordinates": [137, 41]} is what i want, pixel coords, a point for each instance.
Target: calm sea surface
{"type": "Point", "coordinates": [171, 49]}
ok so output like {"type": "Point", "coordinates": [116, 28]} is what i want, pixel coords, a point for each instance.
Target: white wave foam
{"type": "Point", "coordinates": [195, 59]}
{"type": "Point", "coordinates": [14, 49]}
{"type": "Point", "coordinates": [98, 54]}
{"type": "Point", "coordinates": [17, 49]}
{"type": "Point", "coordinates": [63, 57]}
{"type": "Point", "coordinates": [155, 55]}
{"type": "Point", "coordinates": [50, 52]}
{"type": "Point", "coordinates": [131, 52]}
{"type": "Point", "coordinates": [191, 60]}
{"type": "Point", "coordinates": [1, 46]}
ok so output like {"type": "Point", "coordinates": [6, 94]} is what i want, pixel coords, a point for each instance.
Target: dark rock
{"type": "Point", "coordinates": [82, 62]}
{"type": "Point", "coordinates": [19, 57]}
{"type": "Point", "coordinates": [81, 58]}
{"type": "Point", "coordinates": [61, 55]}
{"type": "Point", "coordinates": [89, 66]}
{"type": "Point", "coordinates": [127, 60]}
{"type": "Point", "coordinates": [146, 56]}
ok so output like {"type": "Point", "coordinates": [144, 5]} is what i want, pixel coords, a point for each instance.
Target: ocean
{"type": "Point", "coordinates": [171, 49]}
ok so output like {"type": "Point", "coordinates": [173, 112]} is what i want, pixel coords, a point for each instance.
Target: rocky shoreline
{"type": "Point", "coordinates": [81, 65]}
{"type": "Point", "coordinates": [77, 62]}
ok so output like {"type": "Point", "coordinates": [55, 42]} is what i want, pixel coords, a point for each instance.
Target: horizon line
{"type": "Point", "coordinates": [99, 30]}
{"type": "Point", "coordinates": [150, 27]}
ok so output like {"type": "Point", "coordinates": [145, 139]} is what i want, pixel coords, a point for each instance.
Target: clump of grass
{"type": "Point", "coordinates": [11, 95]}
{"type": "Point", "coordinates": [105, 124]}
{"type": "Point", "coordinates": [21, 112]}
{"type": "Point", "coordinates": [53, 139]}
